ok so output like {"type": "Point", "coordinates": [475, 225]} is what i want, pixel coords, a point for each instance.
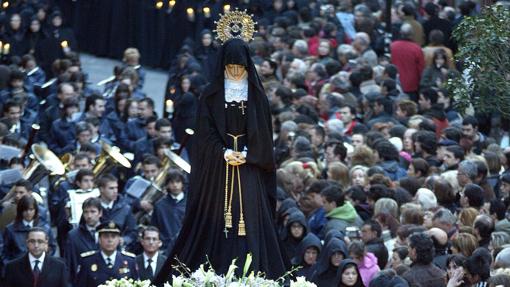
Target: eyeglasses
{"type": "Point", "coordinates": [33, 241]}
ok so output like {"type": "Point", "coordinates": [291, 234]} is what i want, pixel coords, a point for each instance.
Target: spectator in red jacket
{"type": "Point", "coordinates": [408, 57]}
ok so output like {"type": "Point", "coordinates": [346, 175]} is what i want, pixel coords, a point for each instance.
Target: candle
{"type": "Point", "coordinates": [171, 4]}
{"type": "Point", "coordinates": [169, 106]}
{"type": "Point", "coordinates": [226, 8]}
{"type": "Point", "coordinates": [7, 48]}
{"type": "Point", "coordinates": [191, 14]}
{"type": "Point", "coordinates": [159, 4]}
{"type": "Point", "coordinates": [207, 12]}
{"type": "Point", "coordinates": [65, 46]}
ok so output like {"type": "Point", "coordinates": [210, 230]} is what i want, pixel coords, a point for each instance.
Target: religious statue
{"type": "Point", "coordinates": [232, 197]}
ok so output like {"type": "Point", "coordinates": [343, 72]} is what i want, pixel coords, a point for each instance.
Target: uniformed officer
{"type": "Point", "coordinates": [108, 263]}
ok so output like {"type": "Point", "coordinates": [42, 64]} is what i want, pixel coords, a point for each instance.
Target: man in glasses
{"type": "Point", "coordinates": [37, 267]}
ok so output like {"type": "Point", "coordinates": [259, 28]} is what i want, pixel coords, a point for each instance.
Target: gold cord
{"type": "Point", "coordinates": [228, 214]}
{"type": "Point", "coordinates": [229, 195]}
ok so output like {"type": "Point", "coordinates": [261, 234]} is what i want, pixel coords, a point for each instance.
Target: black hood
{"type": "Point", "coordinates": [332, 246]}
{"type": "Point", "coordinates": [285, 206]}
{"type": "Point", "coordinates": [234, 52]}
{"type": "Point", "coordinates": [310, 240]}
{"type": "Point", "coordinates": [299, 217]}
{"type": "Point", "coordinates": [333, 233]}
{"type": "Point", "coordinates": [343, 265]}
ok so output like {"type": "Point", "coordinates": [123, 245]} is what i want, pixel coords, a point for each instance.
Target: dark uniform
{"type": "Point", "coordinates": [94, 271]}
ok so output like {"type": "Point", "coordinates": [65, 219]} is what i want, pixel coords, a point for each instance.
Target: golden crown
{"type": "Point", "coordinates": [235, 25]}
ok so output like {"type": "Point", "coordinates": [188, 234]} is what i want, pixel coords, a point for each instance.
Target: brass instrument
{"type": "Point", "coordinates": [155, 191]}
{"type": "Point", "coordinates": [109, 157]}
{"type": "Point", "coordinates": [44, 162]}
{"type": "Point", "coordinates": [67, 160]}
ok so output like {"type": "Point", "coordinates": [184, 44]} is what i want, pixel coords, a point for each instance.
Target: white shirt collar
{"type": "Point", "coordinates": [29, 223]}
{"type": "Point", "coordinates": [32, 260]}
{"type": "Point", "coordinates": [154, 260]}
{"type": "Point", "coordinates": [107, 205]}
{"type": "Point", "coordinates": [178, 197]}
{"type": "Point", "coordinates": [112, 257]}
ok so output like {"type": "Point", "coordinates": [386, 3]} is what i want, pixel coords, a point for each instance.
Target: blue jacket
{"type": "Point", "coordinates": [133, 131]}
{"type": "Point", "coordinates": [15, 236]}
{"type": "Point", "coordinates": [62, 136]}
{"type": "Point", "coordinates": [116, 125]}
{"type": "Point", "coordinates": [94, 272]}
{"type": "Point", "coordinates": [168, 215]}
{"type": "Point", "coordinates": [37, 78]}
{"type": "Point", "coordinates": [79, 241]}
{"type": "Point", "coordinates": [317, 220]}
{"type": "Point", "coordinates": [122, 215]}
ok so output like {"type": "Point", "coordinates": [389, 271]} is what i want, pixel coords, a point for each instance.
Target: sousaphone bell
{"type": "Point", "coordinates": [109, 157]}
{"type": "Point", "coordinates": [44, 162]}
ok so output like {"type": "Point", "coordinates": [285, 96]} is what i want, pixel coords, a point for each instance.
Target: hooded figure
{"type": "Point", "coordinates": [325, 272]}
{"type": "Point", "coordinates": [226, 110]}
{"type": "Point", "coordinates": [310, 241]}
{"type": "Point", "coordinates": [289, 239]}
{"type": "Point", "coordinates": [348, 263]}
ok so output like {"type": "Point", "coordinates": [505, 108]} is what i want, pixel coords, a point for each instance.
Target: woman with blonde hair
{"type": "Point", "coordinates": [467, 216]}
{"type": "Point", "coordinates": [464, 243]}
{"type": "Point", "coordinates": [358, 175]}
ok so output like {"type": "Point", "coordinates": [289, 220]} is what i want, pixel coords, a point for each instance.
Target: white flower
{"type": "Point", "coordinates": [176, 282]}
{"type": "Point", "coordinates": [301, 282]}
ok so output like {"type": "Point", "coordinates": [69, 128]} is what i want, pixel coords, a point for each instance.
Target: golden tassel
{"type": "Point", "coordinates": [242, 227]}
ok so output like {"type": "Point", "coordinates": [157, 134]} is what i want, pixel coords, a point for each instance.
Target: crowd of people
{"type": "Point", "coordinates": [381, 180]}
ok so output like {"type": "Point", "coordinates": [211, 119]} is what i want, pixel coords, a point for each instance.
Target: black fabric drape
{"type": "Point", "coordinates": [107, 28]}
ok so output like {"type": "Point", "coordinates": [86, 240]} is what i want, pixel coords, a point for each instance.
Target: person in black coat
{"type": "Point", "coordinates": [348, 274]}
{"type": "Point", "coordinates": [295, 230]}
{"type": "Point", "coordinates": [326, 268]}
{"type": "Point", "coordinates": [116, 208]}
{"type": "Point", "coordinates": [306, 257]}
{"type": "Point", "coordinates": [169, 211]}
{"type": "Point", "coordinates": [83, 238]}
{"type": "Point", "coordinates": [37, 268]}
{"type": "Point", "coordinates": [371, 233]}
{"type": "Point", "coordinates": [152, 259]}
{"type": "Point", "coordinates": [63, 130]}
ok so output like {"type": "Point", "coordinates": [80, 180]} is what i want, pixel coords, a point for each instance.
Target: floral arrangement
{"type": "Point", "coordinates": [207, 277]}
{"type": "Point", "coordinates": [124, 282]}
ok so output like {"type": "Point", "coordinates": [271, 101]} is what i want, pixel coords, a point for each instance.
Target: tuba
{"type": "Point", "coordinates": [154, 190]}
{"type": "Point", "coordinates": [109, 157]}
{"type": "Point", "coordinates": [43, 162]}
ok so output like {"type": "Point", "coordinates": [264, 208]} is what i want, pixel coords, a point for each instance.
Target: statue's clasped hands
{"type": "Point", "coordinates": [235, 158]}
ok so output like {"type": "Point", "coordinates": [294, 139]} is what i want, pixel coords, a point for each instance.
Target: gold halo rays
{"type": "Point", "coordinates": [235, 25]}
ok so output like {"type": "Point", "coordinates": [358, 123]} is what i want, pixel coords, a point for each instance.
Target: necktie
{"type": "Point", "coordinates": [149, 267]}
{"type": "Point", "coordinates": [36, 272]}
{"type": "Point", "coordinates": [109, 262]}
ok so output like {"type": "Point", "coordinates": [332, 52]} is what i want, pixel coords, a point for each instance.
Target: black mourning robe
{"type": "Point", "coordinates": [202, 235]}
